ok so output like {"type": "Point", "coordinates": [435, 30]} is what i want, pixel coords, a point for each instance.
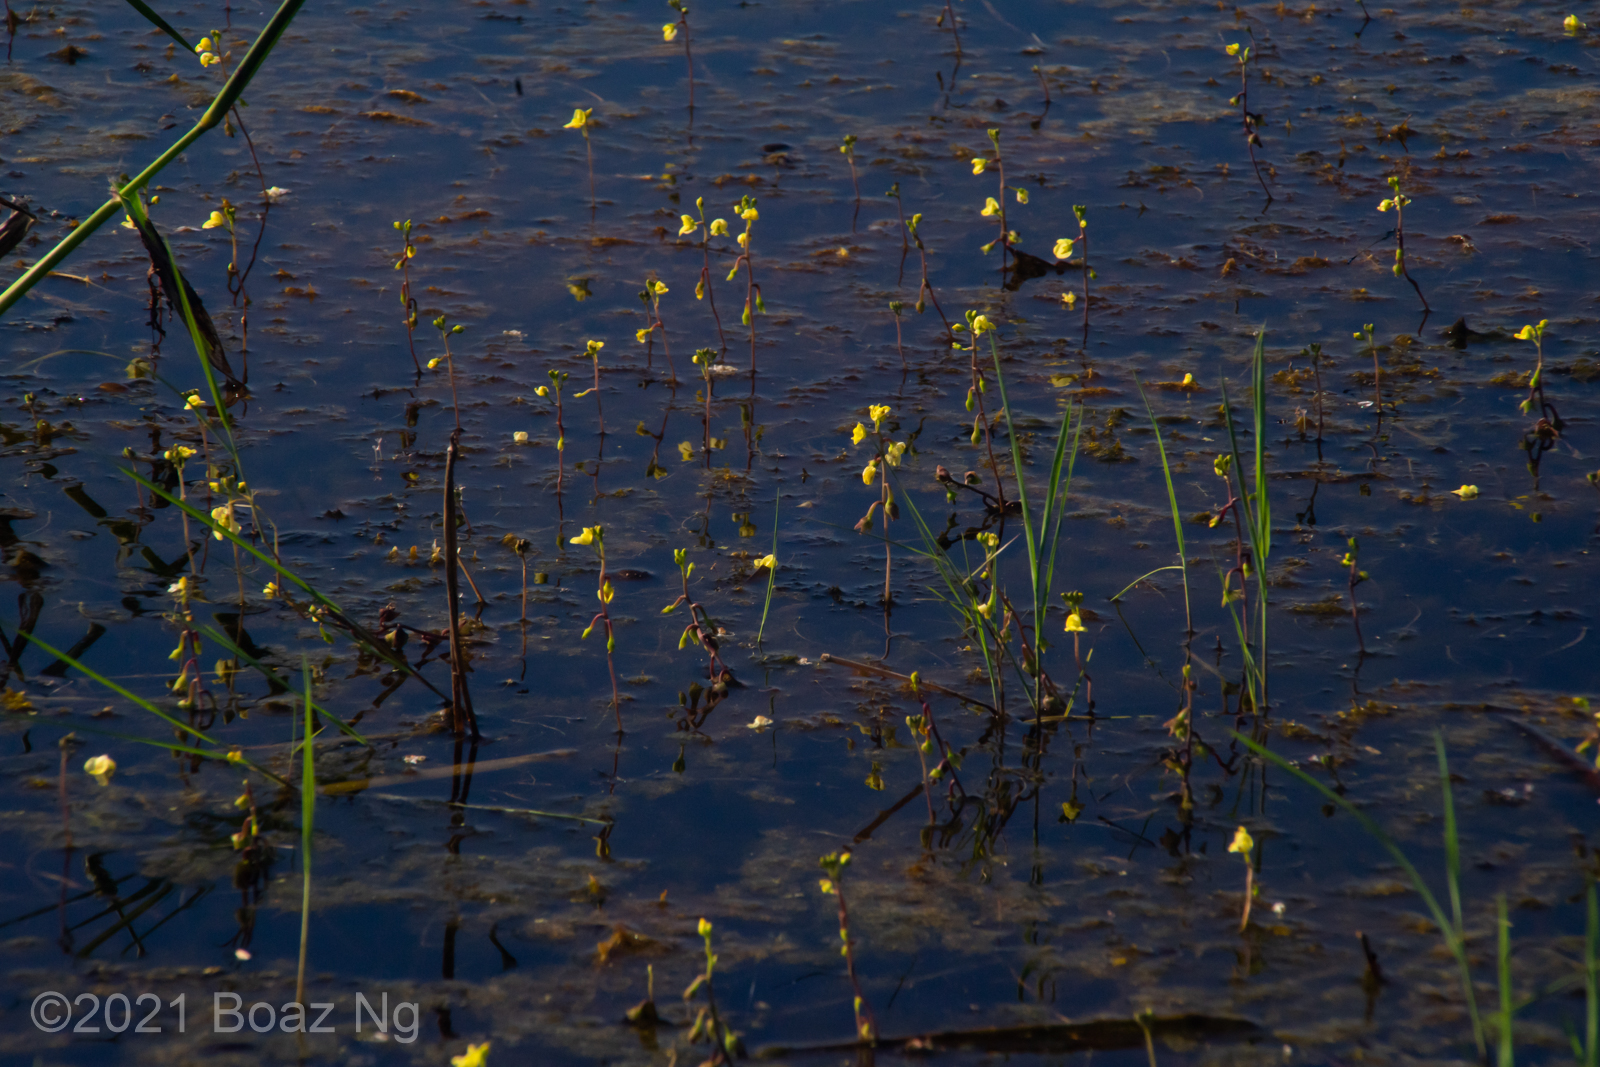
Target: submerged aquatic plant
{"type": "Point", "coordinates": [582, 121]}
{"type": "Point", "coordinates": [671, 31]}
{"type": "Point", "coordinates": [753, 302]}
{"type": "Point", "coordinates": [697, 223]}
{"type": "Point", "coordinates": [594, 537]}
{"type": "Point", "coordinates": [1397, 203]}
{"type": "Point", "coordinates": [834, 864]}
{"type": "Point", "coordinates": [1250, 120]}
{"type": "Point", "coordinates": [402, 263]}
{"type": "Point", "coordinates": [1245, 845]}
{"type": "Point", "coordinates": [1542, 438]}
{"type": "Point", "coordinates": [886, 453]}
{"type": "Point", "coordinates": [708, 1024]}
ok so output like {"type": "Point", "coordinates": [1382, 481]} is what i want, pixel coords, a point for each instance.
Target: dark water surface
{"type": "Point", "coordinates": [1478, 609]}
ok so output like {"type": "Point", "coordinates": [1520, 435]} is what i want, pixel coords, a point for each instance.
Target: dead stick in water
{"type": "Point", "coordinates": [887, 673]}
{"type": "Point", "coordinates": [461, 714]}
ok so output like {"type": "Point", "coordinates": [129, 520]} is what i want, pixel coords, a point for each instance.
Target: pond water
{"type": "Point", "coordinates": [1074, 875]}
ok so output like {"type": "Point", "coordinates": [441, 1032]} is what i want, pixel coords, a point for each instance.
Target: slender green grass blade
{"type": "Point", "coordinates": [1506, 1058]}
{"type": "Point", "coordinates": [160, 23]}
{"type": "Point", "coordinates": [308, 809]}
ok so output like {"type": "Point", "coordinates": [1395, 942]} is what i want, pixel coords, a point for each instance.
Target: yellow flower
{"type": "Point", "coordinates": [476, 1056]}
{"type": "Point", "coordinates": [656, 287]}
{"type": "Point", "coordinates": [689, 225]}
{"type": "Point", "coordinates": [223, 517]}
{"type": "Point", "coordinates": [1069, 299]}
{"type": "Point", "coordinates": [433, 364]}
{"type": "Point", "coordinates": [580, 121]}
{"type": "Point", "coordinates": [769, 561]}
{"type": "Point", "coordinates": [750, 214]}
{"type": "Point", "coordinates": [520, 437]}
{"type": "Point", "coordinates": [1188, 380]}
{"type": "Point", "coordinates": [204, 45]}
{"type": "Point", "coordinates": [869, 472]}
{"type": "Point", "coordinates": [686, 450]}
{"type": "Point", "coordinates": [643, 336]}
{"type": "Point", "coordinates": [1532, 333]}
{"type": "Point", "coordinates": [1466, 492]}
{"type": "Point", "coordinates": [194, 402]}
{"type": "Point", "coordinates": [543, 390]}
{"type": "Point", "coordinates": [127, 223]}
{"type": "Point", "coordinates": [744, 243]}
{"type": "Point", "coordinates": [1571, 24]}
{"type": "Point", "coordinates": [1232, 50]}
{"type": "Point", "coordinates": [979, 165]}
{"type": "Point", "coordinates": [271, 590]}
{"type": "Point", "coordinates": [217, 220]}
{"type": "Point", "coordinates": [1385, 205]}
{"type": "Point", "coordinates": [1242, 842]}
{"type": "Point", "coordinates": [893, 453]}
{"type": "Point", "coordinates": [178, 453]}
{"type": "Point", "coordinates": [606, 592]}
{"type": "Point", "coordinates": [669, 31]}
{"type": "Point", "coordinates": [991, 207]}
{"type": "Point", "coordinates": [858, 434]}
{"type": "Point", "coordinates": [878, 412]}
{"type": "Point", "coordinates": [1075, 624]}
{"type": "Point", "coordinates": [1022, 196]}
{"type": "Point", "coordinates": [719, 227]}
{"type": "Point", "coordinates": [1063, 248]}
{"type": "Point", "coordinates": [588, 536]}
{"type": "Point", "coordinates": [981, 325]}
{"type": "Point", "coordinates": [102, 768]}
{"type": "Point", "coordinates": [594, 348]}
{"type": "Point", "coordinates": [208, 58]}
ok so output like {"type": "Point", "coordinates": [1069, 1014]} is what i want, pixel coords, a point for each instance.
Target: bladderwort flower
{"type": "Point", "coordinates": [1242, 843]}
{"type": "Point", "coordinates": [869, 473]}
{"type": "Point", "coordinates": [587, 537]}
{"type": "Point", "coordinates": [1572, 25]}
{"type": "Point", "coordinates": [1063, 248]}
{"type": "Point", "coordinates": [205, 50]}
{"type": "Point", "coordinates": [1022, 195]}
{"type": "Point", "coordinates": [1466, 492]}
{"type": "Point", "coordinates": [768, 561]}
{"type": "Point", "coordinates": [858, 434]}
{"type": "Point", "coordinates": [101, 768]}
{"type": "Point", "coordinates": [688, 226]}
{"type": "Point", "coordinates": [877, 412]}
{"type": "Point", "coordinates": [719, 227]}
{"type": "Point", "coordinates": [979, 165]}
{"type": "Point", "coordinates": [521, 436]}
{"type": "Point", "coordinates": [475, 1056]}
{"type": "Point", "coordinates": [1075, 624]}
{"type": "Point", "coordinates": [669, 32]}
{"type": "Point", "coordinates": [991, 207]}
{"type": "Point", "coordinates": [224, 517]}
{"type": "Point", "coordinates": [580, 120]}
{"type": "Point", "coordinates": [216, 221]}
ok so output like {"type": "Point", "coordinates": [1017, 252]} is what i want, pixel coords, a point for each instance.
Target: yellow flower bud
{"type": "Point", "coordinates": [1243, 843]}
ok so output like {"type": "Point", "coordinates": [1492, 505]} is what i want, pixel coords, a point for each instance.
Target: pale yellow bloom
{"type": "Point", "coordinates": [587, 537]}
{"type": "Point", "coordinates": [433, 364]}
{"type": "Point", "coordinates": [580, 121]}
{"type": "Point", "coordinates": [1022, 196]}
{"type": "Point", "coordinates": [606, 592]}
{"type": "Point", "coordinates": [271, 590]}
{"type": "Point", "coordinates": [669, 31]}
{"type": "Point", "coordinates": [520, 437]}
{"type": "Point", "coordinates": [543, 390]}
{"type": "Point", "coordinates": [1242, 842]}
{"type": "Point", "coordinates": [1466, 492]}
{"type": "Point", "coordinates": [223, 517]}
{"type": "Point", "coordinates": [656, 287]}
{"type": "Point", "coordinates": [1063, 248]}
{"type": "Point", "coordinates": [705, 927]}
{"type": "Point", "coordinates": [476, 1056]}
{"type": "Point", "coordinates": [216, 221]}
{"type": "Point", "coordinates": [1532, 333]}
{"type": "Point", "coordinates": [991, 207]}
{"type": "Point", "coordinates": [744, 241]}
{"type": "Point", "coordinates": [686, 450]}
{"type": "Point", "coordinates": [689, 225]}
{"type": "Point", "coordinates": [893, 453]}
{"type": "Point", "coordinates": [1571, 24]}
{"type": "Point", "coordinates": [749, 214]}
{"type": "Point", "coordinates": [769, 561]}
{"type": "Point", "coordinates": [204, 45]}
{"type": "Point", "coordinates": [858, 434]}
{"type": "Point", "coordinates": [719, 227]}
{"type": "Point", "coordinates": [194, 402]}
{"type": "Point", "coordinates": [869, 472]}
{"type": "Point", "coordinates": [101, 767]}
{"type": "Point", "coordinates": [643, 336]}
{"type": "Point", "coordinates": [878, 412]}
{"type": "Point", "coordinates": [1188, 380]}
{"type": "Point", "coordinates": [594, 348]}
{"type": "Point", "coordinates": [1232, 49]}
{"type": "Point", "coordinates": [1075, 623]}
{"type": "Point", "coordinates": [1069, 299]}
{"type": "Point", "coordinates": [979, 165]}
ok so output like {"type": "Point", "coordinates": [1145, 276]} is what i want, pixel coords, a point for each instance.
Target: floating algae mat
{"type": "Point", "coordinates": [802, 532]}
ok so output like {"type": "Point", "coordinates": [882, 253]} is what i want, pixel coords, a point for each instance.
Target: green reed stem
{"type": "Point", "coordinates": [1452, 933]}
{"type": "Point", "coordinates": [161, 24]}
{"type": "Point", "coordinates": [1172, 503]}
{"type": "Point", "coordinates": [772, 571]}
{"type": "Point", "coordinates": [308, 807]}
{"type": "Point", "coordinates": [231, 91]}
{"type": "Point", "coordinates": [1505, 1056]}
